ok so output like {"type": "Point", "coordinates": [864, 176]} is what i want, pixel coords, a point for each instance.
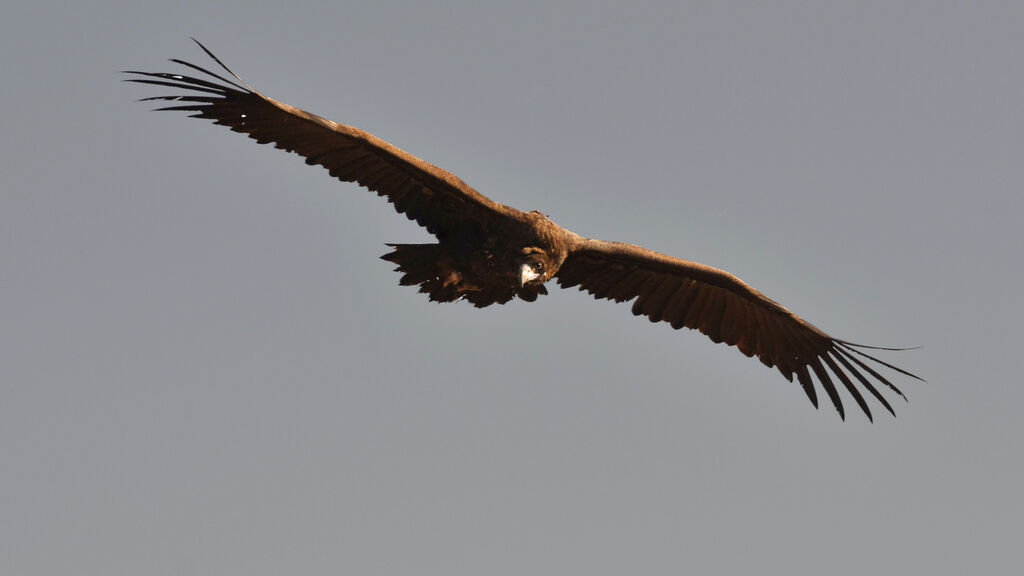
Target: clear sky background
{"type": "Point", "coordinates": [206, 369]}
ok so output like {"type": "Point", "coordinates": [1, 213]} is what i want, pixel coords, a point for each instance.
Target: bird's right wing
{"type": "Point", "coordinates": [434, 198]}
{"type": "Point", "coordinates": [726, 309]}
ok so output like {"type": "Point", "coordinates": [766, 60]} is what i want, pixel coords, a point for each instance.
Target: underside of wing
{"type": "Point", "coordinates": [721, 306]}
{"type": "Point", "coordinates": [434, 198]}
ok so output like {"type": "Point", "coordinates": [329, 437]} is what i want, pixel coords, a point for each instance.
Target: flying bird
{"type": "Point", "coordinates": [488, 253]}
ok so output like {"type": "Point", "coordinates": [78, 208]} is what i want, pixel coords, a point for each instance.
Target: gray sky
{"type": "Point", "coordinates": [206, 369]}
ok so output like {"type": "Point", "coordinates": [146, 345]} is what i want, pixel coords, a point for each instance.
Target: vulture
{"type": "Point", "coordinates": [488, 253]}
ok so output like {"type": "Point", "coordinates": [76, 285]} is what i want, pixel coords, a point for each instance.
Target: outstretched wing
{"type": "Point", "coordinates": [723, 307]}
{"type": "Point", "coordinates": [434, 198]}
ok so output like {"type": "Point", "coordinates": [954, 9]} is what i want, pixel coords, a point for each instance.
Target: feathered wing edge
{"type": "Point", "coordinates": [688, 294]}
{"type": "Point", "coordinates": [183, 82]}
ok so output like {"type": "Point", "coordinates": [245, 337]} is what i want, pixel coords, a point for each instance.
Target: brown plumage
{"type": "Point", "coordinates": [490, 253]}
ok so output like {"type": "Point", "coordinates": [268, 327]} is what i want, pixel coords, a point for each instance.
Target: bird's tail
{"type": "Point", "coordinates": [419, 263]}
{"type": "Point", "coordinates": [439, 277]}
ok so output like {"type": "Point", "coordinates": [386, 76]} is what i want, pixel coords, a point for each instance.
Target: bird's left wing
{"type": "Point", "coordinates": [434, 198]}
{"type": "Point", "coordinates": [726, 309]}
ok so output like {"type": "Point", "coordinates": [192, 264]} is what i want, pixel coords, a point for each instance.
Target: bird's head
{"type": "Point", "coordinates": [535, 267]}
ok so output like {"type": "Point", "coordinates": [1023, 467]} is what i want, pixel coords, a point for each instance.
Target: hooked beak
{"type": "Point", "coordinates": [527, 274]}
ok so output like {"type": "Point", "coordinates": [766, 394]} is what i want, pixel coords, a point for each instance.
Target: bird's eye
{"type": "Point", "coordinates": [538, 266]}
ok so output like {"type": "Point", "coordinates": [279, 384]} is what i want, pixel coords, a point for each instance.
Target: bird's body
{"type": "Point", "coordinates": [492, 262]}
{"type": "Point", "coordinates": [489, 253]}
